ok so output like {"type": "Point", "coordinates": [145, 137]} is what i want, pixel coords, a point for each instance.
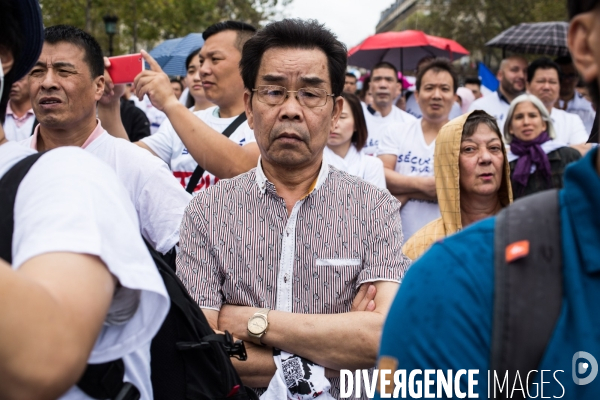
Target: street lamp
{"type": "Point", "coordinates": [110, 26]}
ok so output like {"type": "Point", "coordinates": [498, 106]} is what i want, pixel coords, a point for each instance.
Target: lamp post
{"type": "Point", "coordinates": [110, 26]}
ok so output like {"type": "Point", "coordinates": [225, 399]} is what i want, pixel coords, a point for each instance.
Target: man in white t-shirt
{"type": "Point", "coordinates": [512, 75]}
{"type": "Point", "coordinates": [18, 124]}
{"type": "Point", "coordinates": [66, 83]}
{"type": "Point", "coordinates": [570, 100]}
{"type": "Point", "coordinates": [77, 289]}
{"type": "Point", "coordinates": [407, 152]}
{"type": "Point", "coordinates": [187, 138]}
{"type": "Point", "coordinates": [384, 87]}
{"type": "Point", "coordinates": [543, 82]}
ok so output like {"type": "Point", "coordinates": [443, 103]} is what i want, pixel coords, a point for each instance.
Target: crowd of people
{"type": "Point", "coordinates": [328, 228]}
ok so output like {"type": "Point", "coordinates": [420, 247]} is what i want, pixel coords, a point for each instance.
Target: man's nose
{"type": "Point", "coordinates": [291, 108]}
{"type": "Point", "coordinates": [49, 81]}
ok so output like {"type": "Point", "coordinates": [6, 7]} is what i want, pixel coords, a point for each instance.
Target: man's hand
{"type": "Point", "coordinates": [364, 299]}
{"type": "Point", "coordinates": [428, 187]}
{"type": "Point", "coordinates": [112, 93]}
{"type": "Point", "coordinates": [156, 84]}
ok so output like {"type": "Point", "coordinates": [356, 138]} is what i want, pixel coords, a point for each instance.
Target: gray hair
{"type": "Point", "coordinates": [541, 108]}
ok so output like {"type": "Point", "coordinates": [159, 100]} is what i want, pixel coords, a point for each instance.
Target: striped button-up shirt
{"type": "Point", "coordinates": [239, 246]}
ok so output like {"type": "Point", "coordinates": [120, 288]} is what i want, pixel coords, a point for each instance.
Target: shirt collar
{"type": "Point", "coordinates": [9, 111]}
{"type": "Point", "coordinates": [502, 98]}
{"type": "Point", "coordinates": [582, 195]}
{"type": "Point", "coordinates": [262, 181]}
{"type": "Point", "coordinates": [93, 136]}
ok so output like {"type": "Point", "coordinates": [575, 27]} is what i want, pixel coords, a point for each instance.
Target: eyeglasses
{"type": "Point", "coordinates": [276, 95]}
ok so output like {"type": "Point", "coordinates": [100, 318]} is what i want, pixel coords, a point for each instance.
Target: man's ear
{"type": "Point", "coordinates": [248, 108]}
{"type": "Point", "coordinates": [579, 41]}
{"type": "Point", "coordinates": [99, 83]}
{"type": "Point", "coordinates": [7, 59]}
{"type": "Point", "coordinates": [338, 106]}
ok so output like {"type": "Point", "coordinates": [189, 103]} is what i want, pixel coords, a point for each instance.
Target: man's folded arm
{"type": "Point", "coordinates": [422, 187]}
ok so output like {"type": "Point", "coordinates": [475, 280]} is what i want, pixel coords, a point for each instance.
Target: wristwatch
{"type": "Point", "coordinates": [257, 325]}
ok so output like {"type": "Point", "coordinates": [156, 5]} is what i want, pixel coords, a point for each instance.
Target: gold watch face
{"type": "Point", "coordinates": [257, 325]}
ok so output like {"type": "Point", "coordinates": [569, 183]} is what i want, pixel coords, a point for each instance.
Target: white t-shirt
{"type": "Point", "coordinates": [169, 147]}
{"type": "Point", "coordinates": [493, 105]}
{"type": "Point", "coordinates": [579, 105]}
{"type": "Point", "coordinates": [71, 202]}
{"type": "Point", "coordinates": [158, 199]}
{"type": "Point", "coordinates": [155, 116]}
{"type": "Point", "coordinates": [413, 108]}
{"type": "Point", "coordinates": [376, 123]}
{"type": "Point", "coordinates": [414, 158]}
{"type": "Point", "coordinates": [569, 127]}
{"type": "Point", "coordinates": [358, 164]}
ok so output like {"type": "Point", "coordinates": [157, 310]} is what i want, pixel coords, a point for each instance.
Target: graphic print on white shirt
{"type": "Point", "coordinates": [169, 147]}
{"type": "Point", "coordinates": [414, 157]}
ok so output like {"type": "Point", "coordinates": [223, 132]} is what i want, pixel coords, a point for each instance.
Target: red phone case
{"type": "Point", "coordinates": [124, 69]}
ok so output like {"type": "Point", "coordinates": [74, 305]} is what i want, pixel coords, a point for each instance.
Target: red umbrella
{"type": "Point", "coordinates": [403, 49]}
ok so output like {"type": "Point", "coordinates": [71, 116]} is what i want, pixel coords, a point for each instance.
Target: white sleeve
{"type": "Point", "coordinates": [161, 142]}
{"type": "Point", "coordinates": [577, 132]}
{"type": "Point", "coordinates": [390, 140]}
{"type": "Point", "coordinates": [85, 209]}
{"type": "Point", "coordinates": [161, 203]}
{"type": "Point", "coordinates": [374, 172]}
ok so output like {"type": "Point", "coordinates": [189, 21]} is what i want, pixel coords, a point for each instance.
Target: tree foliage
{"type": "Point", "coordinates": [145, 23]}
{"type": "Point", "coordinates": [474, 22]}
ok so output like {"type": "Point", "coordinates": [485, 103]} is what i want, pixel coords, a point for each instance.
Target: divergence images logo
{"type": "Point", "coordinates": [581, 367]}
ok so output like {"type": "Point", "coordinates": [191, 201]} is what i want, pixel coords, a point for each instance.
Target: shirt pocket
{"type": "Point", "coordinates": [333, 283]}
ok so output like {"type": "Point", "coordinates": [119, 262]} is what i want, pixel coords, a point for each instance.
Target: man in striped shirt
{"type": "Point", "coordinates": [277, 255]}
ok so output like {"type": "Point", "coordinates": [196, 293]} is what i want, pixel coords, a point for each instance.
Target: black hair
{"type": "Point", "coordinates": [360, 134]}
{"type": "Point", "coordinates": [365, 88]}
{"type": "Point", "coordinates": [191, 56]}
{"type": "Point", "coordinates": [244, 31]}
{"type": "Point", "coordinates": [177, 80]}
{"type": "Point", "coordinates": [69, 34]}
{"type": "Point", "coordinates": [564, 60]}
{"type": "Point", "coordinates": [386, 65]}
{"type": "Point", "coordinates": [12, 39]}
{"type": "Point", "coordinates": [473, 80]}
{"type": "Point", "coordinates": [437, 65]}
{"type": "Point", "coordinates": [580, 6]}
{"type": "Point", "coordinates": [541, 63]}
{"type": "Point", "coordinates": [350, 74]}
{"type": "Point", "coordinates": [299, 34]}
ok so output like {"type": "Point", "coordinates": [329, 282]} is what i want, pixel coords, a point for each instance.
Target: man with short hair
{"type": "Point", "coordinates": [350, 83]}
{"type": "Point", "coordinates": [451, 288]}
{"type": "Point", "coordinates": [384, 87]}
{"type": "Point", "coordinates": [276, 255]}
{"type": "Point", "coordinates": [77, 282]}
{"type": "Point", "coordinates": [543, 82]}
{"type": "Point", "coordinates": [66, 83]}
{"type": "Point", "coordinates": [570, 100]}
{"type": "Point", "coordinates": [188, 139]}
{"type": "Point", "coordinates": [512, 75]}
{"type": "Point", "coordinates": [19, 122]}
{"type": "Point", "coordinates": [474, 85]}
{"type": "Point", "coordinates": [407, 152]}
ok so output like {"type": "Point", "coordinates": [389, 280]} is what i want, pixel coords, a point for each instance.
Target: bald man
{"type": "Point", "coordinates": [512, 75]}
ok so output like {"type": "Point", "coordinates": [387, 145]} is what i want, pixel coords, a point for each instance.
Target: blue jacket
{"type": "Point", "coordinates": [441, 317]}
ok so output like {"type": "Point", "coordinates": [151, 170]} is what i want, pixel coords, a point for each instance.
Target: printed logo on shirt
{"type": "Point", "coordinates": [185, 151]}
{"type": "Point", "coordinates": [417, 164]}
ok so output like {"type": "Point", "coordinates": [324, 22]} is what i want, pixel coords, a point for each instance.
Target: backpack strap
{"type": "Point", "coordinates": [199, 171]}
{"type": "Point", "coordinates": [528, 285]}
{"type": "Point", "coordinates": [9, 185]}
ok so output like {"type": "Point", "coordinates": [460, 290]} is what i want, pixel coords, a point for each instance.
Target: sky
{"type": "Point", "coordinates": [351, 20]}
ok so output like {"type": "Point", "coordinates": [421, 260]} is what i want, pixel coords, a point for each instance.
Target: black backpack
{"type": "Point", "coordinates": [528, 285]}
{"type": "Point", "coordinates": [188, 360]}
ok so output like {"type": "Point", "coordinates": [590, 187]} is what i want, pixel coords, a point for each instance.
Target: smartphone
{"type": "Point", "coordinates": [124, 69]}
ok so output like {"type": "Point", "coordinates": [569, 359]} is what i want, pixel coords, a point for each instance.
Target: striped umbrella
{"type": "Point", "coordinates": [171, 54]}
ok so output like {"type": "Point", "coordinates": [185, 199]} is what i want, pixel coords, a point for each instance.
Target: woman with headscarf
{"type": "Point", "coordinates": [471, 178]}
{"type": "Point", "coordinates": [537, 162]}
{"type": "Point", "coordinates": [346, 141]}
